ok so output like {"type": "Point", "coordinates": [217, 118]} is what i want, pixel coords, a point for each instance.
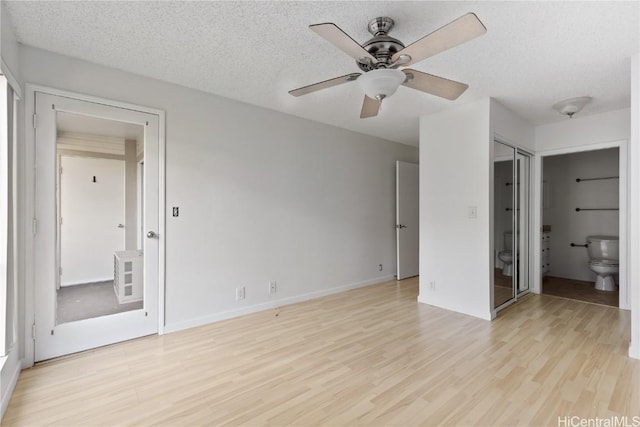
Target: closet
{"type": "Point", "coordinates": [511, 224]}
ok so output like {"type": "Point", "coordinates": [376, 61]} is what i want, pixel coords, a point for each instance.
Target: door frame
{"type": "Point", "coordinates": [29, 204]}
{"type": "Point", "coordinates": [623, 297]}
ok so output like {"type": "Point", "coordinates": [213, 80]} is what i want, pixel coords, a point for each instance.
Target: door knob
{"type": "Point", "coordinates": [151, 234]}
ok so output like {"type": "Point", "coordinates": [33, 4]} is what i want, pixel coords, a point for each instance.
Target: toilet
{"type": "Point", "coordinates": [506, 256]}
{"type": "Point", "coordinates": [603, 260]}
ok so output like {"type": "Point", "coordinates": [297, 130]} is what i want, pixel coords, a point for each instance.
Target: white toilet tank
{"type": "Point", "coordinates": [603, 247]}
{"type": "Point", "coordinates": [508, 241]}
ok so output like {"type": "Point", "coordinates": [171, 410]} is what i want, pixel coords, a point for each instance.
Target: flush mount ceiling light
{"type": "Point", "coordinates": [571, 106]}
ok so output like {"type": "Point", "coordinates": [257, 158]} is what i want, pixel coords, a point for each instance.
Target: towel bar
{"type": "Point", "coordinates": [596, 179]}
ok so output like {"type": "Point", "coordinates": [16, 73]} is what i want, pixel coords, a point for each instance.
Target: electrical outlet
{"type": "Point", "coordinates": [240, 293]}
{"type": "Point", "coordinates": [432, 285]}
{"type": "Point", "coordinates": [273, 287]}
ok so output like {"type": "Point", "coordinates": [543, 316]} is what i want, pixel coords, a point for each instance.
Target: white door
{"type": "Point", "coordinates": [55, 338]}
{"type": "Point", "coordinates": [407, 219]}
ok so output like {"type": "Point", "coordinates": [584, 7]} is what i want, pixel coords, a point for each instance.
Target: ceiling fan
{"type": "Point", "coordinates": [380, 57]}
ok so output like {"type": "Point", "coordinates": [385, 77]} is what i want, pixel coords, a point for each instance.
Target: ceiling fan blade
{"type": "Point", "coordinates": [454, 33]}
{"type": "Point", "coordinates": [334, 35]}
{"type": "Point", "coordinates": [324, 85]}
{"type": "Point", "coordinates": [434, 85]}
{"type": "Point", "coordinates": [370, 107]}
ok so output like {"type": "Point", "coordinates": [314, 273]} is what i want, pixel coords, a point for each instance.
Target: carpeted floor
{"type": "Point", "coordinates": [90, 300]}
{"type": "Point", "coordinates": [578, 290]}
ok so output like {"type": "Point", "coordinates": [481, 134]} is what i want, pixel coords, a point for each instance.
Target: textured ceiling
{"type": "Point", "coordinates": [533, 54]}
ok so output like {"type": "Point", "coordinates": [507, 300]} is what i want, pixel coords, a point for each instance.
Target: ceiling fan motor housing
{"type": "Point", "coordinates": [381, 46]}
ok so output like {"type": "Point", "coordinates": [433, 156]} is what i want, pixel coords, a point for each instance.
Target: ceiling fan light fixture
{"type": "Point", "coordinates": [381, 83]}
{"type": "Point", "coordinates": [569, 107]}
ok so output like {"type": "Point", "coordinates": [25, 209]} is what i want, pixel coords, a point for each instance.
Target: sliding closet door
{"type": "Point", "coordinates": [523, 197]}
{"type": "Point", "coordinates": [503, 223]}
{"type": "Point", "coordinates": [511, 224]}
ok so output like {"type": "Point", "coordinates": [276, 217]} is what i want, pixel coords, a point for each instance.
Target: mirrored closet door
{"type": "Point", "coordinates": [511, 224]}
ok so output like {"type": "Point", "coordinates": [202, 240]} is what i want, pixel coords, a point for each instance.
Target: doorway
{"type": "Point", "coordinates": [407, 219]}
{"type": "Point", "coordinates": [580, 213]}
{"type": "Point", "coordinates": [512, 273]}
{"type": "Point", "coordinates": [97, 280]}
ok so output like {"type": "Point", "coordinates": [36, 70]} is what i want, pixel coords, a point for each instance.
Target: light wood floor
{"type": "Point", "coordinates": [372, 356]}
{"type": "Point", "coordinates": [502, 288]}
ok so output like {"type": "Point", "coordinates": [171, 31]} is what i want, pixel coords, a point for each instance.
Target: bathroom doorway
{"type": "Point", "coordinates": [511, 224]}
{"type": "Point", "coordinates": [581, 226]}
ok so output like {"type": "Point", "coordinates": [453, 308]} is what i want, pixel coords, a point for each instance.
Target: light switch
{"type": "Point", "coordinates": [473, 212]}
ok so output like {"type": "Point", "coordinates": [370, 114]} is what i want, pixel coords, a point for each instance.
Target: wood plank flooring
{"type": "Point", "coordinates": [371, 356]}
{"type": "Point", "coordinates": [502, 288]}
{"type": "Point", "coordinates": [579, 290]}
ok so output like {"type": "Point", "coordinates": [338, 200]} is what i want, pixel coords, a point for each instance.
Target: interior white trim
{"type": "Point", "coordinates": [624, 302]}
{"type": "Point", "coordinates": [30, 203]}
{"type": "Point", "coordinates": [6, 397]}
{"type": "Point", "coordinates": [175, 327]}
{"type": "Point", "coordinates": [633, 217]}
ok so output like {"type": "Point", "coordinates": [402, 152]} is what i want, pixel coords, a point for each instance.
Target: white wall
{"type": "Point", "coordinates": [262, 195]}
{"type": "Point", "coordinates": [583, 130]}
{"type": "Point", "coordinates": [91, 212]}
{"type": "Point", "coordinates": [507, 126]}
{"type": "Point", "coordinates": [565, 195]}
{"type": "Point", "coordinates": [457, 252]}
{"type": "Point", "coordinates": [455, 174]}
{"type": "Point", "coordinates": [132, 233]}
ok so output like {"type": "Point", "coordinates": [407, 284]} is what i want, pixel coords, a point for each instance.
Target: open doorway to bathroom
{"type": "Point", "coordinates": [580, 226]}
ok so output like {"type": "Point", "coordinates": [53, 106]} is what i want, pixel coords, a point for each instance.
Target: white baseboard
{"type": "Point", "coordinates": [13, 375]}
{"type": "Point", "coordinates": [481, 315]}
{"type": "Point", "coordinates": [26, 364]}
{"type": "Point", "coordinates": [192, 323]}
{"type": "Point", "coordinates": [634, 351]}
{"type": "Point", "coordinates": [85, 282]}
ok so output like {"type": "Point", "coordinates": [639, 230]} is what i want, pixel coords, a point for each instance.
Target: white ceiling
{"type": "Point", "coordinates": [533, 54]}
